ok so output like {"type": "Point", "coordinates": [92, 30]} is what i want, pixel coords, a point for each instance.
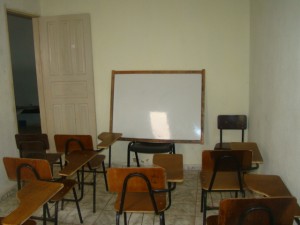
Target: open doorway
{"type": "Point", "coordinates": [24, 73]}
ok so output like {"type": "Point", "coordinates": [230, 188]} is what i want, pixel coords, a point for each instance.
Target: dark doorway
{"type": "Point", "coordinates": [24, 73]}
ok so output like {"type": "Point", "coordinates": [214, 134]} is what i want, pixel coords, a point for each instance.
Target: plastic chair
{"type": "Point", "coordinates": [249, 211]}
{"type": "Point", "coordinates": [139, 190]}
{"type": "Point", "coordinates": [231, 122]}
{"type": "Point", "coordinates": [26, 169]}
{"type": "Point", "coordinates": [222, 171]}
{"type": "Point", "coordinates": [35, 146]}
{"type": "Point", "coordinates": [68, 143]}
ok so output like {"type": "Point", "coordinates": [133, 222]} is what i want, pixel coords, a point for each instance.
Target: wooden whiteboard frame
{"type": "Point", "coordinates": [117, 74]}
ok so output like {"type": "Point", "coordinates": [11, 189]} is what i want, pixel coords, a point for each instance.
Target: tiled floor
{"type": "Point", "coordinates": [185, 209]}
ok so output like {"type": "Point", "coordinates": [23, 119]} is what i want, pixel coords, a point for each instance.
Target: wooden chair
{"type": "Point", "coordinates": [250, 211]}
{"type": "Point", "coordinates": [230, 122]}
{"type": "Point", "coordinates": [68, 143]}
{"type": "Point", "coordinates": [36, 146]}
{"type": "Point", "coordinates": [26, 169]}
{"type": "Point", "coordinates": [139, 190]}
{"type": "Point", "coordinates": [222, 171]}
{"type": "Point", "coordinates": [27, 222]}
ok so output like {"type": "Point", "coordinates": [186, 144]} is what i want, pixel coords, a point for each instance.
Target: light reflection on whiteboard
{"type": "Point", "coordinates": [160, 125]}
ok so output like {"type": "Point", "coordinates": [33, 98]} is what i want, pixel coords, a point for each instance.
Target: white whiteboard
{"type": "Point", "coordinates": [158, 106]}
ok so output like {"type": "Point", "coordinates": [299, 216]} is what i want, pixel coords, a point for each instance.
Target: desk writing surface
{"type": "Point", "coordinates": [32, 196]}
{"type": "Point", "coordinates": [256, 156]}
{"type": "Point", "coordinates": [172, 163]}
{"type": "Point", "coordinates": [76, 160]}
{"type": "Point", "coordinates": [268, 185]}
{"type": "Point", "coordinates": [107, 139]}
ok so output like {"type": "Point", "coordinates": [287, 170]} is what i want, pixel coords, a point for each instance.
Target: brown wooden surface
{"type": "Point", "coordinates": [172, 163]}
{"type": "Point", "coordinates": [116, 177]}
{"type": "Point", "coordinates": [107, 139]}
{"type": "Point", "coordinates": [137, 196]}
{"type": "Point", "coordinates": [61, 139]}
{"type": "Point", "coordinates": [32, 196]}
{"type": "Point", "coordinates": [244, 157]}
{"type": "Point", "coordinates": [41, 165]}
{"type": "Point", "coordinates": [231, 210]}
{"type": "Point", "coordinates": [268, 185]}
{"type": "Point", "coordinates": [76, 160]}
{"type": "Point", "coordinates": [256, 155]}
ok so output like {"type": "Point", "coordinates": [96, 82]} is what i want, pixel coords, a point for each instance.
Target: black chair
{"type": "Point", "coordinates": [148, 148]}
{"type": "Point", "coordinates": [230, 122]}
{"type": "Point", "coordinates": [35, 146]}
{"type": "Point", "coordinates": [253, 211]}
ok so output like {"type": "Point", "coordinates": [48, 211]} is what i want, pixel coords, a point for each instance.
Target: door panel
{"type": "Point", "coordinates": [66, 78]}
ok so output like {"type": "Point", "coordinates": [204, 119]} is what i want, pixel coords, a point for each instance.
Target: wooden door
{"type": "Point", "coordinates": [65, 76]}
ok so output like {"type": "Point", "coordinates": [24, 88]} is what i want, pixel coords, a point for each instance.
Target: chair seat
{"type": "Point", "coordinates": [68, 185]}
{"type": "Point", "coordinates": [212, 220]}
{"type": "Point", "coordinates": [96, 162]}
{"type": "Point", "coordinates": [225, 146]}
{"type": "Point", "coordinates": [144, 147]}
{"type": "Point", "coordinates": [53, 157]}
{"type": "Point", "coordinates": [223, 181]}
{"type": "Point", "coordinates": [141, 202]}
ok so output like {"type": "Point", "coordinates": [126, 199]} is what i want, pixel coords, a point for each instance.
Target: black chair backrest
{"type": "Point", "coordinates": [32, 145]}
{"type": "Point", "coordinates": [232, 122]}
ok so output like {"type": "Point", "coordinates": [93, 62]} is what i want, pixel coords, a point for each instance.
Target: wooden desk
{"type": "Point", "coordinates": [107, 139]}
{"type": "Point", "coordinates": [173, 164]}
{"type": "Point", "coordinates": [76, 160]}
{"type": "Point", "coordinates": [256, 156]}
{"type": "Point", "coordinates": [270, 186]}
{"type": "Point", "coordinates": [32, 196]}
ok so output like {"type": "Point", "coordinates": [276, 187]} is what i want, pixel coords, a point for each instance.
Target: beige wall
{"type": "Point", "coordinates": [169, 34]}
{"type": "Point", "coordinates": [274, 87]}
{"type": "Point", "coordinates": [8, 122]}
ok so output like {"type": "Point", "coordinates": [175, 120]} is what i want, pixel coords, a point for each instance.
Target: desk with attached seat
{"type": "Point", "coordinates": [32, 196]}
{"type": "Point", "coordinates": [107, 139]}
{"type": "Point", "coordinates": [270, 186]}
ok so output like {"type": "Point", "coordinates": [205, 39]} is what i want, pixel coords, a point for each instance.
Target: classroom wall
{"type": "Point", "coordinates": [169, 35]}
{"type": "Point", "coordinates": [8, 121]}
{"type": "Point", "coordinates": [274, 87]}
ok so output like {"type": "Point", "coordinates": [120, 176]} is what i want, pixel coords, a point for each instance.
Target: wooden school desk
{"type": "Point", "coordinates": [173, 164]}
{"type": "Point", "coordinates": [107, 139]}
{"type": "Point", "coordinates": [32, 196]}
{"type": "Point", "coordinates": [76, 160]}
{"type": "Point", "coordinates": [270, 186]}
{"type": "Point", "coordinates": [256, 156]}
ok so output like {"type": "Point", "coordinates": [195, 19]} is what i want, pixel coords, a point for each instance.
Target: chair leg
{"type": "Point", "coordinates": [104, 175]}
{"type": "Point", "coordinates": [162, 218]}
{"type": "Point", "coordinates": [128, 157]}
{"type": "Point", "coordinates": [137, 159]}
{"type": "Point", "coordinates": [45, 207]}
{"type": "Point", "coordinates": [94, 190]}
{"type": "Point", "coordinates": [77, 205]}
{"type": "Point", "coordinates": [117, 219]}
{"type": "Point", "coordinates": [204, 196]}
{"type": "Point", "coordinates": [56, 213]}
{"type": "Point", "coordinates": [125, 218]}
